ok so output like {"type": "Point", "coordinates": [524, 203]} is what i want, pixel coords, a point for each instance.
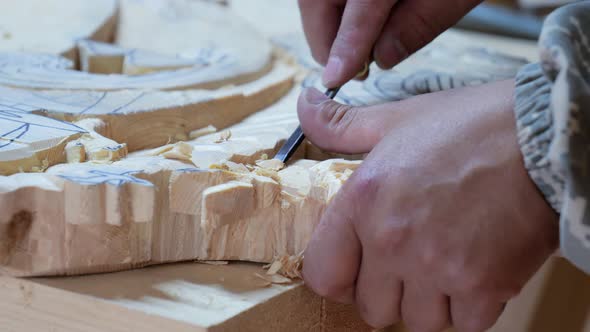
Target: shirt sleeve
{"type": "Point", "coordinates": [552, 109]}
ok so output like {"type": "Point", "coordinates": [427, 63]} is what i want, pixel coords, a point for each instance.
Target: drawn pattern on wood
{"type": "Point", "coordinates": [57, 25]}
{"type": "Point", "coordinates": [441, 68]}
{"type": "Point", "coordinates": [160, 27]}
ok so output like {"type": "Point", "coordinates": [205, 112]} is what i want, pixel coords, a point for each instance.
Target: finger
{"type": "Point", "coordinates": [474, 314]}
{"type": "Point", "coordinates": [378, 291]}
{"type": "Point", "coordinates": [413, 24]}
{"type": "Point", "coordinates": [332, 257]}
{"type": "Point", "coordinates": [424, 308]}
{"type": "Point", "coordinates": [321, 20]}
{"type": "Point", "coordinates": [362, 22]}
{"type": "Point", "coordinates": [341, 128]}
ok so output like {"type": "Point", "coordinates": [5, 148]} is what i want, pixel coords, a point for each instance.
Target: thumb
{"type": "Point", "coordinates": [342, 128]}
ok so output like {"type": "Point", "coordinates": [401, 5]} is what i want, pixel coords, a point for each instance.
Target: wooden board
{"type": "Point", "coordinates": [182, 297]}
{"type": "Point", "coordinates": [200, 297]}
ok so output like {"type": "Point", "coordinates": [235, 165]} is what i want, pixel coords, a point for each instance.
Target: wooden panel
{"type": "Point", "coordinates": [181, 297]}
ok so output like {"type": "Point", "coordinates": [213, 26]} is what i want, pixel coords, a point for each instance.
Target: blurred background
{"type": "Point", "coordinates": [522, 18]}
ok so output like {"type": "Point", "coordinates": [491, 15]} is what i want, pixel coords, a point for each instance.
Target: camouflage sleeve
{"type": "Point", "coordinates": [553, 118]}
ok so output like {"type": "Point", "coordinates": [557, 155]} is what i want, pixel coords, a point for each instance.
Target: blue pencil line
{"type": "Point", "coordinates": [96, 103]}
{"type": "Point", "coordinates": [51, 127]}
{"type": "Point", "coordinates": [127, 104]}
{"type": "Point", "coordinates": [26, 126]}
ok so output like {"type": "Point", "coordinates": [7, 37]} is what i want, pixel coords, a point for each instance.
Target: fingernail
{"type": "Point", "coordinates": [332, 72]}
{"type": "Point", "coordinates": [314, 97]}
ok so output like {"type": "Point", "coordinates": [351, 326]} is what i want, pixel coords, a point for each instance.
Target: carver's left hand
{"type": "Point", "coordinates": [441, 224]}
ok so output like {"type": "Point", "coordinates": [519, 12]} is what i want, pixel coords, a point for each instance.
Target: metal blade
{"type": "Point", "coordinates": [294, 141]}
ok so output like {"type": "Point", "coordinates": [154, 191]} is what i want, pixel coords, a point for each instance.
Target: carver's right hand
{"type": "Point", "coordinates": [345, 34]}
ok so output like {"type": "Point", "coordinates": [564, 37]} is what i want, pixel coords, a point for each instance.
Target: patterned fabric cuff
{"type": "Point", "coordinates": [553, 115]}
{"type": "Point", "coordinates": [534, 122]}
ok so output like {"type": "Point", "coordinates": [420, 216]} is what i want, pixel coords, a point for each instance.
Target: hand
{"type": "Point", "coordinates": [441, 224]}
{"type": "Point", "coordinates": [345, 34]}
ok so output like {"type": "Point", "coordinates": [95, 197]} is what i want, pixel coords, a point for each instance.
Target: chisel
{"type": "Point", "coordinates": [291, 145]}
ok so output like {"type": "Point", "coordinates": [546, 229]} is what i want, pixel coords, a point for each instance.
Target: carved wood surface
{"type": "Point", "coordinates": [102, 173]}
{"type": "Point", "coordinates": [145, 150]}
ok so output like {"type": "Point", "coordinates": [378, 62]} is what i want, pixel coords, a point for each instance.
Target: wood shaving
{"type": "Point", "coordinates": [231, 167]}
{"type": "Point", "coordinates": [344, 176]}
{"type": "Point", "coordinates": [274, 267]}
{"type": "Point", "coordinates": [271, 164]}
{"type": "Point", "coordinates": [286, 266]}
{"type": "Point", "coordinates": [202, 132]}
{"type": "Point", "coordinates": [180, 151]}
{"type": "Point", "coordinates": [160, 151]}
{"type": "Point", "coordinates": [224, 136]}
{"type": "Point", "coordinates": [237, 168]}
{"type": "Point", "coordinates": [274, 279]}
{"type": "Point", "coordinates": [213, 262]}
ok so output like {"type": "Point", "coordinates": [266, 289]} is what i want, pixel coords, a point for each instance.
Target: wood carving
{"type": "Point", "coordinates": [153, 149]}
{"type": "Point", "coordinates": [439, 66]}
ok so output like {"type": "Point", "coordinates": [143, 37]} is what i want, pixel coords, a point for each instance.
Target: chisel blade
{"type": "Point", "coordinates": [294, 141]}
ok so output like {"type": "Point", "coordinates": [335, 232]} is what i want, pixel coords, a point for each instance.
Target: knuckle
{"type": "Point", "coordinates": [431, 255]}
{"type": "Point", "coordinates": [464, 278]}
{"type": "Point", "coordinates": [365, 184]}
{"type": "Point", "coordinates": [389, 236]}
{"type": "Point", "coordinates": [473, 282]}
{"type": "Point", "coordinates": [340, 116]}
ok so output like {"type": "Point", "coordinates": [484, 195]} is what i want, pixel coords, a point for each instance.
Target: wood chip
{"type": "Point", "coordinates": [286, 266]}
{"type": "Point", "coordinates": [237, 168]}
{"type": "Point", "coordinates": [202, 132]}
{"type": "Point", "coordinates": [180, 151]}
{"type": "Point", "coordinates": [274, 279]}
{"type": "Point", "coordinates": [224, 136]}
{"type": "Point", "coordinates": [160, 151]}
{"type": "Point", "coordinates": [271, 164]}
{"type": "Point", "coordinates": [275, 267]}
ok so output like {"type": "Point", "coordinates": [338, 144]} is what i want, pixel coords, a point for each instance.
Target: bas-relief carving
{"type": "Point", "coordinates": [140, 186]}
